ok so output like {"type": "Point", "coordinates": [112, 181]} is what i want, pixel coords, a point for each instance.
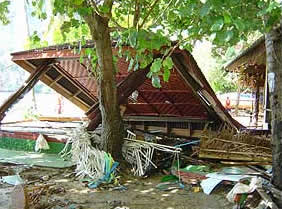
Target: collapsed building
{"type": "Point", "coordinates": [186, 106]}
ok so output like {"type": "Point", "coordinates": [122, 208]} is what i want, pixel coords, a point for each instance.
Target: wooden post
{"type": "Point", "coordinates": [238, 100]}
{"type": "Point", "coordinates": [266, 111]}
{"type": "Point", "coordinates": [24, 89]}
{"type": "Point", "coordinates": [273, 45]}
{"type": "Point", "coordinates": [256, 109]}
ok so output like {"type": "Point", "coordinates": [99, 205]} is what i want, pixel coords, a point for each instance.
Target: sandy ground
{"type": "Point", "coordinates": [57, 189]}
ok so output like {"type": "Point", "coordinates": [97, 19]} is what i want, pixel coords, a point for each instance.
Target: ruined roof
{"type": "Point", "coordinates": [187, 95]}
{"type": "Point", "coordinates": [253, 55]}
{"type": "Point", "coordinates": [250, 64]}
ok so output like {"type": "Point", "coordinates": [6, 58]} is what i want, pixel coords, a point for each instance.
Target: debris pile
{"type": "Point", "coordinates": [227, 144]}
{"type": "Point", "coordinates": [140, 153]}
{"type": "Point", "coordinates": [92, 165]}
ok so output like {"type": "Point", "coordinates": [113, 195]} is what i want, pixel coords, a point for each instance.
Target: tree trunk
{"type": "Point", "coordinates": [34, 107]}
{"type": "Point", "coordinates": [273, 42]}
{"type": "Point", "coordinates": [112, 126]}
{"type": "Point", "coordinates": [256, 110]}
{"type": "Point", "coordinates": [238, 100]}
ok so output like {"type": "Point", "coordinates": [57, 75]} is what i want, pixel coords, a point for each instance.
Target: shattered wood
{"type": "Point", "coordinates": [229, 145]}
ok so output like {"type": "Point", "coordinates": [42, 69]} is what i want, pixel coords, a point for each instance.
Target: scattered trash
{"type": "Point", "coordinates": [227, 174]}
{"type": "Point", "coordinates": [92, 165]}
{"type": "Point", "coordinates": [13, 180]}
{"type": "Point", "coordinates": [41, 143]}
{"type": "Point", "coordinates": [120, 188]}
{"type": "Point", "coordinates": [209, 184]}
{"type": "Point", "coordinates": [168, 186]}
{"type": "Point", "coordinates": [169, 178]}
{"type": "Point", "coordinates": [140, 153]}
{"type": "Point", "coordinates": [110, 168]}
{"type": "Point", "coordinates": [203, 169]}
{"type": "Point", "coordinates": [240, 191]}
{"type": "Point", "coordinates": [45, 178]}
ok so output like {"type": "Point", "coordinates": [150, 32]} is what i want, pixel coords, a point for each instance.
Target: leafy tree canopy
{"type": "Point", "coordinates": [4, 12]}
{"type": "Point", "coordinates": [149, 25]}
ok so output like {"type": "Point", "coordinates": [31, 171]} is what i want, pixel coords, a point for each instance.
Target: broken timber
{"type": "Point", "coordinates": [182, 107]}
{"type": "Point", "coordinates": [28, 85]}
{"type": "Point", "coordinates": [228, 145]}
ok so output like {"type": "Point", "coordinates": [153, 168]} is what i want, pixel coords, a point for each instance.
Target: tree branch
{"type": "Point", "coordinates": [93, 3]}
{"type": "Point", "coordinates": [136, 14]}
{"type": "Point", "coordinates": [109, 4]}
{"type": "Point", "coordinates": [118, 26]}
{"type": "Point", "coordinates": [168, 5]}
{"type": "Point", "coordinates": [148, 14]}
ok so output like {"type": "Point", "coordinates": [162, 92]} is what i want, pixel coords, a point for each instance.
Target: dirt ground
{"type": "Point", "coordinates": [57, 189]}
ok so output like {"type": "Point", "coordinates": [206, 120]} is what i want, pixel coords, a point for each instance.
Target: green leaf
{"type": "Point", "coordinates": [88, 51]}
{"type": "Point", "coordinates": [136, 66]}
{"type": "Point", "coordinates": [156, 82]}
{"type": "Point", "coordinates": [104, 9]}
{"type": "Point", "coordinates": [133, 38]}
{"type": "Point", "coordinates": [228, 36]}
{"type": "Point", "coordinates": [230, 52]}
{"type": "Point", "coordinates": [168, 63]}
{"type": "Point", "coordinates": [78, 2]}
{"type": "Point", "coordinates": [218, 25]}
{"type": "Point", "coordinates": [212, 37]}
{"type": "Point", "coordinates": [205, 10]}
{"type": "Point", "coordinates": [81, 59]}
{"type": "Point", "coordinates": [166, 74]}
{"type": "Point", "coordinates": [239, 24]}
{"type": "Point", "coordinates": [149, 75]}
{"type": "Point", "coordinates": [227, 18]}
{"type": "Point", "coordinates": [145, 60]}
{"type": "Point", "coordinates": [156, 66]}
{"type": "Point", "coordinates": [131, 63]}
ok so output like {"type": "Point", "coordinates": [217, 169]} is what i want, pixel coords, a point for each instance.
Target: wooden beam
{"type": "Point", "coordinates": [55, 81]}
{"type": "Point", "coordinates": [256, 110]}
{"type": "Point", "coordinates": [124, 89]}
{"type": "Point", "coordinates": [191, 82]}
{"type": "Point", "coordinates": [166, 119]}
{"type": "Point", "coordinates": [24, 89]}
{"type": "Point", "coordinates": [77, 84]}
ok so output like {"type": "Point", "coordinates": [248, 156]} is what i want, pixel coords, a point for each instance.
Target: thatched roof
{"type": "Point", "coordinates": [254, 55]}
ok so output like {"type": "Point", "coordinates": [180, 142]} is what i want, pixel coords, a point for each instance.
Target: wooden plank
{"type": "Point", "coordinates": [239, 153]}
{"type": "Point", "coordinates": [55, 81]}
{"type": "Point", "coordinates": [62, 119]}
{"type": "Point", "coordinates": [24, 89]}
{"type": "Point", "coordinates": [244, 163]}
{"type": "Point", "coordinates": [190, 81]}
{"type": "Point", "coordinates": [78, 85]}
{"type": "Point", "coordinates": [164, 119]}
{"type": "Point", "coordinates": [238, 157]}
{"type": "Point", "coordinates": [235, 142]}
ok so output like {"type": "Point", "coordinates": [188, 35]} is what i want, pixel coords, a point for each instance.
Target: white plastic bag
{"type": "Point", "coordinates": [41, 143]}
